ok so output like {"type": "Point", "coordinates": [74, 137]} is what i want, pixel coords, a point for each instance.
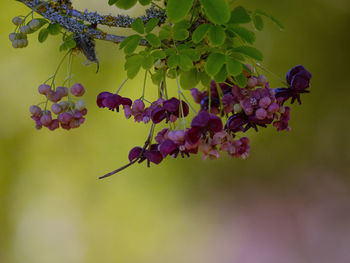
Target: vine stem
{"type": "Point", "coordinates": [122, 85]}
{"type": "Point", "coordinates": [147, 143]}
{"type": "Point", "coordinates": [181, 107]}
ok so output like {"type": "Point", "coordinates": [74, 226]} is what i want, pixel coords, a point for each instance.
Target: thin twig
{"type": "Point", "coordinates": [148, 141]}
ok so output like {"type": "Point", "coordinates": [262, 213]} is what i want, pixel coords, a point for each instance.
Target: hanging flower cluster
{"type": "Point", "coordinates": [204, 45]}
{"type": "Point", "coordinates": [226, 111]}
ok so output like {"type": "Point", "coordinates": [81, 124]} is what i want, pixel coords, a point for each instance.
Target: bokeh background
{"type": "Point", "coordinates": [289, 202]}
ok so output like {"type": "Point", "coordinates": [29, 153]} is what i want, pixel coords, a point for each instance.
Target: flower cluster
{"type": "Point", "coordinates": [19, 39]}
{"type": "Point", "coordinates": [255, 105]}
{"type": "Point", "coordinates": [70, 114]}
{"type": "Point", "coordinates": [159, 110]}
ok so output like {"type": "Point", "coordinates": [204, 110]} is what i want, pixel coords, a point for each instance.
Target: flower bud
{"type": "Point", "coordinates": [63, 105]}
{"type": "Point", "coordinates": [252, 83]}
{"type": "Point", "coordinates": [44, 89]}
{"type": "Point", "coordinates": [80, 105]}
{"type": "Point", "coordinates": [24, 29]}
{"type": "Point", "coordinates": [237, 108]}
{"type": "Point", "coordinates": [17, 20]}
{"type": "Point", "coordinates": [261, 80]}
{"type": "Point", "coordinates": [12, 36]}
{"type": "Point", "coordinates": [15, 43]}
{"type": "Point", "coordinates": [63, 91]}
{"type": "Point", "coordinates": [56, 108]}
{"type": "Point", "coordinates": [77, 90]}
{"type": "Point", "coordinates": [34, 24]}
{"type": "Point", "coordinates": [261, 114]}
{"type": "Point", "coordinates": [35, 110]}
{"type": "Point", "coordinates": [46, 119]}
{"type": "Point", "coordinates": [23, 43]}
{"type": "Point", "coordinates": [54, 96]}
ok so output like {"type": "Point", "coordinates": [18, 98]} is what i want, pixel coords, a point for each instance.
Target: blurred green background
{"type": "Point", "coordinates": [289, 202]}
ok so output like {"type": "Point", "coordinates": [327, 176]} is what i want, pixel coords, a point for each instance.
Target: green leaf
{"type": "Point", "coordinates": [233, 66]}
{"type": "Point", "coordinates": [200, 33]}
{"type": "Point", "coordinates": [241, 80]}
{"type": "Point", "coordinates": [217, 11]}
{"type": "Point", "coordinates": [217, 36]}
{"type": "Point", "coordinates": [245, 34]}
{"type": "Point", "coordinates": [158, 76]}
{"type": "Point", "coordinates": [153, 40]}
{"type": "Point", "coordinates": [189, 79]}
{"type": "Point", "coordinates": [138, 26]}
{"type": "Point", "coordinates": [131, 44]}
{"type": "Point", "coordinates": [165, 32]}
{"type": "Point", "coordinates": [43, 34]}
{"type": "Point", "coordinates": [158, 54]}
{"type": "Point", "coordinates": [192, 53]}
{"type": "Point", "coordinates": [258, 23]}
{"type": "Point", "coordinates": [54, 29]}
{"type": "Point", "coordinates": [214, 63]}
{"type": "Point", "coordinates": [151, 24]}
{"type": "Point", "coordinates": [125, 4]}
{"type": "Point", "coordinates": [145, 2]}
{"type": "Point", "coordinates": [148, 62]}
{"type": "Point", "coordinates": [133, 65]}
{"type": "Point", "coordinates": [181, 34]}
{"type": "Point", "coordinates": [239, 16]}
{"type": "Point", "coordinates": [173, 61]}
{"type": "Point", "coordinates": [273, 19]}
{"type": "Point", "coordinates": [112, 2]}
{"type": "Point", "coordinates": [249, 51]}
{"type": "Point", "coordinates": [222, 75]}
{"type": "Point", "coordinates": [178, 9]}
{"type": "Point", "coordinates": [204, 78]}
{"type": "Point", "coordinates": [185, 63]}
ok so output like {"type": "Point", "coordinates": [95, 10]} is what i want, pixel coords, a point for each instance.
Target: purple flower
{"type": "Point", "coordinates": [171, 110]}
{"type": "Point", "coordinates": [298, 78]}
{"type": "Point", "coordinates": [112, 101]}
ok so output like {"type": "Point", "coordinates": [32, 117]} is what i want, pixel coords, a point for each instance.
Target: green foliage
{"type": "Point", "coordinates": [68, 42]}
{"type": "Point", "coordinates": [217, 11]}
{"type": "Point", "coordinates": [190, 47]}
{"type": "Point", "coordinates": [138, 26]}
{"type": "Point", "coordinates": [217, 35]}
{"type": "Point", "coordinates": [177, 10]}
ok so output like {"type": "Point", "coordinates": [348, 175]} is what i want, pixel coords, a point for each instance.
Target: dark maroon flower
{"type": "Point", "coordinates": [158, 114]}
{"type": "Point", "coordinates": [168, 147]}
{"type": "Point", "coordinates": [236, 122]}
{"type": "Point", "coordinates": [112, 102]}
{"type": "Point", "coordinates": [170, 111]}
{"type": "Point", "coordinates": [135, 153]}
{"type": "Point", "coordinates": [192, 136]}
{"type": "Point", "coordinates": [207, 122]}
{"type": "Point", "coordinates": [101, 97]}
{"type": "Point", "coordinates": [153, 155]}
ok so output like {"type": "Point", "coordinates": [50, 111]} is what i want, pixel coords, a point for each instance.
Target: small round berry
{"type": "Point", "coordinates": [237, 108]}
{"type": "Point", "coordinates": [55, 124]}
{"type": "Point", "coordinates": [77, 90]}
{"type": "Point", "coordinates": [74, 123]}
{"type": "Point", "coordinates": [56, 108]}
{"type": "Point", "coordinates": [35, 110]}
{"type": "Point", "coordinates": [80, 105]}
{"type": "Point", "coordinates": [44, 89]}
{"type": "Point", "coordinates": [264, 102]}
{"type": "Point", "coordinates": [46, 119]}
{"type": "Point", "coordinates": [17, 20]}
{"type": "Point", "coordinates": [63, 91]}
{"type": "Point", "coordinates": [23, 43]}
{"type": "Point", "coordinates": [273, 108]}
{"type": "Point", "coordinates": [34, 24]}
{"type": "Point", "coordinates": [261, 114]}
{"type": "Point", "coordinates": [12, 36]}
{"type": "Point", "coordinates": [252, 83]}
{"type": "Point", "coordinates": [65, 117]}
{"type": "Point", "coordinates": [84, 112]}
{"type": "Point", "coordinates": [64, 105]}
{"type": "Point", "coordinates": [261, 80]}
{"type": "Point", "coordinates": [54, 96]}
{"type": "Point", "coordinates": [24, 29]}
{"type": "Point", "coordinates": [15, 43]}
